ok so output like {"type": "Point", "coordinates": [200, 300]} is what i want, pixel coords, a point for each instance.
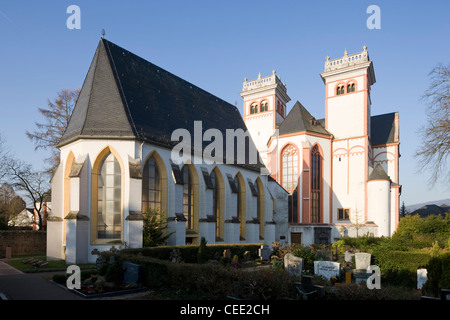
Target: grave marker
{"type": "Point", "coordinates": [327, 269]}
{"type": "Point", "coordinates": [293, 264]}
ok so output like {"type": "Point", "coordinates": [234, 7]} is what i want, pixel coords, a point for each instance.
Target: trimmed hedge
{"type": "Point", "coordinates": [438, 273]}
{"type": "Point", "coordinates": [189, 253]}
{"type": "Point", "coordinates": [399, 260]}
{"type": "Point", "coordinates": [208, 280]}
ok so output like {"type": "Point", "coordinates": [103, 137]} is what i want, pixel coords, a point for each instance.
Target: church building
{"type": "Point", "coordinates": [341, 172]}
{"type": "Point", "coordinates": [314, 181]}
{"type": "Point", "coordinates": [117, 165]}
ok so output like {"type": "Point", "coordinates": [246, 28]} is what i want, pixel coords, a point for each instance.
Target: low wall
{"type": "Point", "coordinates": [23, 242]}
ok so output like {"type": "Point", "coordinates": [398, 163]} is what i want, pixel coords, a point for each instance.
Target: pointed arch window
{"type": "Point", "coordinates": [241, 205]}
{"type": "Point", "coordinates": [216, 199]}
{"type": "Point", "coordinates": [109, 199]}
{"type": "Point", "coordinates": [151, 187]}
{"type": "Point", "coordinates": [289, 168]}
{"type": "Point", "coordinates": [316, 184]}
{"type": "Point", "coordinates": [188, 198]}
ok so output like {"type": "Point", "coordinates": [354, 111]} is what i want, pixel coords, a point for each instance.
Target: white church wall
{"type": "Point", "coordinates": [349, 123]}
{"type": "Point", "coordinates": [55, 250]}
{"type": "Point", "coordinates": [349, 167]}
{"type": "Point", "coordinates": [379, 205]}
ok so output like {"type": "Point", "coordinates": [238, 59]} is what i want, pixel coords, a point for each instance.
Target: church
{"type": "Point", "coordinates": [314, 181]}
{"type": "Point", "coordinates": [341, 172]}
{"type": "Point", "coordinates": [117, 165]}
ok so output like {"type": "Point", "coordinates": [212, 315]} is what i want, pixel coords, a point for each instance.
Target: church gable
{"type": "Point", "coordinates": [99, 111]}
{"type": "Point", "coordinates": [299, 120]}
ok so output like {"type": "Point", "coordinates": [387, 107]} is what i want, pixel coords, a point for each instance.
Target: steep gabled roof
{"type": "Point", "coordinates": [382, 129]}
{"type": "Point", "coordinates": [298, 120]}
{"type": "Point", "coordinates": [127, 97]}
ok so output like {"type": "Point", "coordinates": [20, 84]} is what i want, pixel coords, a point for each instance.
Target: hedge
{"type": "Point", "coordinates": [438, 273]}
{"type": "Point", "coordinates": [207, 281]}
{"type": "Point", "coordinates": [189, 252]}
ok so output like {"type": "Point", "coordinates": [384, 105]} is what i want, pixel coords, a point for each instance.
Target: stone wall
{"type": "Point", "coordinates": [23, 242]}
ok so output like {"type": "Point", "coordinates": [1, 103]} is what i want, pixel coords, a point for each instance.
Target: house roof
{"type": "Point", "coordinates": [299, 119]}
{"type": "Point", "coordinates": [382, 128]}
{"type": "Point", "coordinates": [378, 173]}
{"type": "Point", "coordinates": [127, 97]}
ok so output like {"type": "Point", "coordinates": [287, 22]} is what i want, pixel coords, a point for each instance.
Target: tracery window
{"type": "Point", "coordinates": [109, 199]}
{"type": "Point", "coordinates": [151, 187]}
{"type": "Point", "coordinates": [289, 168]}
{"type": "Point", "coordinates": [316, 183]}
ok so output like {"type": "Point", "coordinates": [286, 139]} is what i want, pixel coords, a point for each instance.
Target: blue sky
{"type": "Point", "coordinates": [216, 44]}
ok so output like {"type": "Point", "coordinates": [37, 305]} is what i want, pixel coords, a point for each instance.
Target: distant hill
{"type": "Point", "coordinates": [414, 207]}
{"type": "Point", "coordinates": [431, 209]}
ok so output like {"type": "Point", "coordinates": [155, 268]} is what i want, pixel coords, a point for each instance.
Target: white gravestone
{"type": "Point", "coordinates": [421, 278]}
{"type": "Point", "coordinates": [327, 269]}
{"type": "Point", "coordinates": [348, 256]}
{"type": "Point", "coordinates": [362, 260]}
{"type": "Point", "coordinates": [293, 264]}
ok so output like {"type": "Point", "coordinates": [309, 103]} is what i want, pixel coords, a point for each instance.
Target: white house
{"type": "Point", "coordinates": [342, 172]}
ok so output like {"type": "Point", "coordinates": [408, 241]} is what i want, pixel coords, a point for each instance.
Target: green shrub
{"type": "Point", "coordinates": [438, 274]}
{"type": "Point", "coordinates": [60, 278]}
{"type": "Point", "coordinates": [307, 254]}
{"type": "Point", "coordinates": [189, 253]}
{"type": "Point", "coordinates": [399, 260]}
{"type": "Point", "coordinates": [114, 273]}
{"type": "Point", "coordinates": [386, 292]}
{"type": "Point", "coordinates": [202, 254]}
{"type": "Point", "coordinates": [154, 229]}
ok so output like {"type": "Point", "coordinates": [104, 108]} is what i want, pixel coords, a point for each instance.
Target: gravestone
{"type": "Point", "coordinates": [327, 269]}
{"type": "Point", "coordinates": [422, 277]}
{"type": "Point", "coordinates": [362, 260]}
{"type": "Point", "coordinates": [293, 264]}
{"type": "Point", "coordinates": [361, 275]}
{"type": "Point", "coordinates": [348, 256]}
{"type": "Point", "coordinates": [264, 253]}
{"type": "Point", "coordinates": [322, 235]}
{"type": "Point", "coordinates": [132, 273]}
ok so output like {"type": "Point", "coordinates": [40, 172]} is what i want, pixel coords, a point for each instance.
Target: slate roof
{"type": "Point", "coordinates": [127, 97]}
{"type": "Point", "coordinates": [299, 120]}
{"type": "Point", "coordinates": [382, 128]}
{"type": "Point", "coordinates": [378, 173]}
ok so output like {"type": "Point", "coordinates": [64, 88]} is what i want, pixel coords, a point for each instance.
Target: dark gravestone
{"type": "Point", "coordinates": [132, 273]}
{"type": "Point", "coordinates": [322, 235]}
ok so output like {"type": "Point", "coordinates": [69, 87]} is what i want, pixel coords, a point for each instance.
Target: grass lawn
{"type": "Point", "coordinates": [56, 265]}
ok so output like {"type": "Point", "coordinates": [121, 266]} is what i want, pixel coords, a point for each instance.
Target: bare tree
{"type": "Point", "coordinates": [3, 158]}
{"type": "Point", "coordinates": [434, 150]}
{"type": "Point", "coordinates": [57, 115]}
{"type": "Point", "coordinates": [34, 184]}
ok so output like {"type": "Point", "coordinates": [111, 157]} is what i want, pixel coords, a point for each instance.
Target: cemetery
{"type": "Point", "coordinates": [251, 271]}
